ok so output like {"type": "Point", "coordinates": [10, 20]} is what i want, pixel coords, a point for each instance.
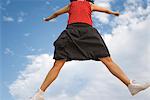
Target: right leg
{"type": "Point", "coordinates": [52, 74]}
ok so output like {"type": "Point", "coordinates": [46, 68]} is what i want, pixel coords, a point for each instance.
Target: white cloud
{"type": "Point", "coordinates": [8, 19]}
{"type": "Point", "coordinates": [134, 13]}
{"type": "Point", "coordinates": [27, 34]}
{"type": "Point", "coordinates": [47, 2]}
{"type": "Point", "coordinates": [86, 80]}
{"type": "Point", "coordinates": [8, 51]}
{"type": "Point", "coordinates": [103, 1]}
{"type": "Point", "coordinates": [21, 16]}
{"type": "Point", "coordinates": [8, 2]}
{"type": "Point", "coordinates": [20, 19]}
{"type": "Point", "coordinates": [102, 17]}
{"type": "Point", "coordinates": [33, 73]}
{"type": "Point", "coordinates": [55, 8]}
{"type": "Point", "coordinates": [29, 48]}
{"type": "Point", "coordinates": [2, 8]}
{"type": "Point", "coordinates": [40, 49]}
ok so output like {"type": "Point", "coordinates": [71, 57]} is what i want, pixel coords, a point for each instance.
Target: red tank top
{"type": "Point", "coordinates": [80, 11]}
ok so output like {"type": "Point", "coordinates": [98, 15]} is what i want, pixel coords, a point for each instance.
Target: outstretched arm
{"type": "Point", "coordinates": [102, 9]}
{"type": "Point", "coordinates": [58, 12]}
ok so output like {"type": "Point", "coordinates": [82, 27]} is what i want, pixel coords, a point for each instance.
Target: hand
{"type": "Point", "coordinates": [45, 19]}
{"type": "Point", "coordinates": [116, 13]}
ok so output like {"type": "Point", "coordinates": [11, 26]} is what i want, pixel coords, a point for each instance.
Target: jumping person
{"type": "Point", "coordinates": [81, 41]}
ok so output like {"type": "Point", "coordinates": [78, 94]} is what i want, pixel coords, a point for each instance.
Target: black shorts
{"type": "Point", "coordinates": [80, 41]}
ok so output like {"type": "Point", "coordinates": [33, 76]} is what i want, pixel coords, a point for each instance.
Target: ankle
{"type": "Point", "coordinates": [40, 91]}
{"type": "Point", "coordinates": [130, 81]}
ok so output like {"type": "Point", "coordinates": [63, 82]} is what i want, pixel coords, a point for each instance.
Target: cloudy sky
{"type": "Point", "coordinates": [27, 51]}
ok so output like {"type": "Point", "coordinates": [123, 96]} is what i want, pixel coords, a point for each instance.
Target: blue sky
{"type": "Point", "coordinates": [28, 36]}
{"type": "Point", "coordinates": [24, 33]}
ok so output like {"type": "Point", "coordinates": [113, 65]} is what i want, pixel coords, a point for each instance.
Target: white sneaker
{"type": "Point", "coordinates": [38, 95]}
{"type": "Point", "coordinates": [134, 87]}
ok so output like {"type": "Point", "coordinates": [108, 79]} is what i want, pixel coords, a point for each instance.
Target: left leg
{"type": "Point", "coordinates": [133, 87]}
{"type": "Point", "coordinates": [115, 70]}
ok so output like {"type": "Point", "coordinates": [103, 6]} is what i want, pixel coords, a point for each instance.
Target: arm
{"type": "Point", "coordinates": [101, 9]}
{"type": "Point", "coordinates": [57, 13]}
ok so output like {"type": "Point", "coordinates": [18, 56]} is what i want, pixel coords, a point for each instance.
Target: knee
{"type": "Point", "coordinates": [106, 60]}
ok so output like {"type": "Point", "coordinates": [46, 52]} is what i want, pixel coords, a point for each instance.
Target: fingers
{"type": "Point", "coordinates": [45, 19]}
{"type": "Point", "coordinates": [116, 13]}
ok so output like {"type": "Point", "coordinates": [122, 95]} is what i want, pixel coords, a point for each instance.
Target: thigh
{"type": "Point", "coordinates": [59, 63]}
{"type": "Point", "coordinates": [105, 59]}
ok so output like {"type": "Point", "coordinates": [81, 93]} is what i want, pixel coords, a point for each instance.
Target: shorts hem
{"type": "Point", "coordinates": [95, 59]}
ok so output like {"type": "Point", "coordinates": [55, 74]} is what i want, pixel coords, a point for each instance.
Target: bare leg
{"type": "Point", "coordinates": [115, 70]}
{"type": "Point", "coordinates": [52, 74]}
